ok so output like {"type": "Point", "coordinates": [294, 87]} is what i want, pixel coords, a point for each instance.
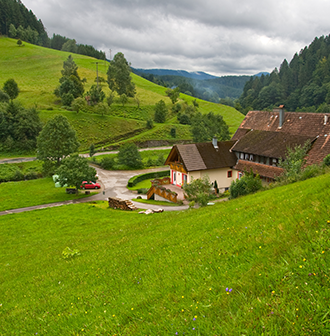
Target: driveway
{"type": "Point", "coordinates": [113, 184]}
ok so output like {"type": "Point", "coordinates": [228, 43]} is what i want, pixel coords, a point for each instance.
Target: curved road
{"type": "Point", "coordinates": [113, 184]}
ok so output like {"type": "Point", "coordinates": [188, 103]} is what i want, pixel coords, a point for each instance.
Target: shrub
{"type": "Point", "coordinates": [199, 190]}
{"type": "Point", "coordinates": [10, 173]}
{"type": "Point", "coordinates": [150, 124]}
{"type": "Point", "coordinates": [107, 163]}
{"type": "Point", "coordinates": [326, 160]}
{"type": "Point", "coordinates": [248, 184]}
{"type": "Point", "coordinates": [173, 132]}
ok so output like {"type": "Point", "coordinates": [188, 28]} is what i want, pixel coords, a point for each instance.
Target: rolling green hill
{"type": "Point", "coordinates": [37, 71]}
{"type": "Point", "coordinates": [257, 265]}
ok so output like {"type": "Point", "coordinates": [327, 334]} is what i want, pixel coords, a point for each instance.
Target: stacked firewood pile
{"type": "Point", "coordinates": [118, 203]}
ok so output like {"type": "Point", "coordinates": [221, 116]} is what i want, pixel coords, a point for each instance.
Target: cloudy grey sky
{"type": "Point", "coordinates": [221, 37]}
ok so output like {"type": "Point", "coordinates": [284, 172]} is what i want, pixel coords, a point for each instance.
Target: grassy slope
{"type": "Point", "coordinates": [167, 274]}
{"type": "Point", "coordinates": [37, 71]}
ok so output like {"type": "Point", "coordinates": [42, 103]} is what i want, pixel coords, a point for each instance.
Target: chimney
{"type": "Point", "coordinates": [281, 119]}
{"type": "Point", "coordinates": [325, 119]}
{"type": "Point", "coordinates": [215, 143]}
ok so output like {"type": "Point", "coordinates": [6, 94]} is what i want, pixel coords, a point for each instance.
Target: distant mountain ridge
{"type": "Point", "coordinates": [199, 84]}
{"type": "Point", "coordinates": [182, 73]}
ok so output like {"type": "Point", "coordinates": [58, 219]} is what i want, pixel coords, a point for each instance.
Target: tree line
{"type": "Point", "coordinates": [303, 84]}
{"type": "Point", "coordinates": [16, 21]}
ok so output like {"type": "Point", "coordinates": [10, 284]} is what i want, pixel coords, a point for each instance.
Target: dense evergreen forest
{"type": "Point", "coordinates": [17, 21]}
{"type": "Point", "coordinates": [301, 85]}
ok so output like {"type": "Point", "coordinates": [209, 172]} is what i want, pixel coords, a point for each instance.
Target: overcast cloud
{"type": "Point", "coordinates": [221, 37]}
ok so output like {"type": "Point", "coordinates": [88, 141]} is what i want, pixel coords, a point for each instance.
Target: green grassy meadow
{"type": "Point", "coordinates": [256, 265]}
{"type": "Point", "coordinates": [37, 71]}
{"type": "Point", "coordinates": [23, 194]}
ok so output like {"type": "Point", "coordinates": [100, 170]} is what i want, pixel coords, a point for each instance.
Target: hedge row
{"type": "Point", "coordinates": [13, 173]}
{"type": "Point", "coordinates": [133, 181]}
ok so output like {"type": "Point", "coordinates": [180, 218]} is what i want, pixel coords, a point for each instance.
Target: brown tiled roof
{"type": "Point", "coordinates": [270, 144]}
{"type": "Point", "coordinates": [258, 168]}
{"type": "Point", "coordinates": [191, 157]}
{"type": "Point", "coordinates": [312, 125]}
{"type": "Point", "coordinates": [202, 156]}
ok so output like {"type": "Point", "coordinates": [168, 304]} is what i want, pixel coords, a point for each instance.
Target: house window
{"type": "Point", "coordinates": [246, 156]}
{"type": "Point", "coordinates": [240, 175]}
{"type": "Point", "coordinates": [229, 173]}
{"type": "Point", "coordinates": [274, 162]}
{"type": "Point", "coordinates": [251, 157]}
{"type": "Point", "coordinates": [242, 156]}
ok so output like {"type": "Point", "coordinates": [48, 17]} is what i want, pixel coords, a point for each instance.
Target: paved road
{"type": "Point", "coordinates": [26, 159]}
{"type": "Point", "coordinates": [113, 185]}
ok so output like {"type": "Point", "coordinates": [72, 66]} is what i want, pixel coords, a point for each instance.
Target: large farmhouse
{"type": "Point", "coordinates": [263, 138]}
{"type": "Point", "coordinates": [258, 144]}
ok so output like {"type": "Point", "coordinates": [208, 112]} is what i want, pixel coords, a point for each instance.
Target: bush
{"type": "Point", "coordinates": [173, 132]}
{"type": "Point", "coordinates": [150, 124]}
{"type": "Point", "coordinates": [10, 173]}
{"type": "Point", "coordinates": [199, 191]}
{"type": "Point", "coordinates": [248, 184]}
{"type": "Point", "coordinates": [32, 175]}
{"type": "Point", "coordinates": [107, 163]}
{"type": "Point", "coordinates": [326, 160]}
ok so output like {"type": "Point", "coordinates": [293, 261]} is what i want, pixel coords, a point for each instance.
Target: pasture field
{"type": "Point", "coordinates": [23, 194]}
{"type": "Point", "coordinates": [37, 71]}
{"type": "Point", "coordinates": [256, 265]}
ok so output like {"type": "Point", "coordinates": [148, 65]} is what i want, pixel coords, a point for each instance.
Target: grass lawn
{"type": "Point", "coordinates": [23, 194]}
{"type": "Point", "coordinates": [257, 265]}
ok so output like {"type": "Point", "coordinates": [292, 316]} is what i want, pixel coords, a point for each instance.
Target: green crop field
{"type": "Point", "coordinates": [37, 71]}
{"type": "Point", "coordinates": [257, 265]}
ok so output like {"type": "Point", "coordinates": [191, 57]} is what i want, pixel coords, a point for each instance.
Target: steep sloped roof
{"type": "Point", "coordinates": [269, 143]}
{"type": "Point", "coordinates": [313, 125]}
{"type": "Point", "coordinates": [202, 156]}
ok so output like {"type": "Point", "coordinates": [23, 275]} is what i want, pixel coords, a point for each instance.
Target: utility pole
{"type": "Point", "coordinates": [97, 74]}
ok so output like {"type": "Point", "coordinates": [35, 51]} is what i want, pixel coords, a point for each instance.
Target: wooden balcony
{"type": "Point", "coordinates": [177, 166]}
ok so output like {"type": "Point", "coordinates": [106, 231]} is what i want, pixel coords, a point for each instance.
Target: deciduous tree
{"type": "Point", "coordinates": [57, 140]}
{"type": "Point", "coordinates": [11, 88]}
{"type": "Point", "coordinates": [74, 170]}
{"type": "Point", "coordinates": [206, 126]}
{"type": "Point", "coordinates": [160, 112]}
{"type": "Point", "coordinates": [129, 155]}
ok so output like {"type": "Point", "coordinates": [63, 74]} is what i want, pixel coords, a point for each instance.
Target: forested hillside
{"type": "Point", "coordinates": [303, 84]}
{"type": "Point", "coordinates": [17, 21]}
{"type": "Point", "coordinates": [210, 89]}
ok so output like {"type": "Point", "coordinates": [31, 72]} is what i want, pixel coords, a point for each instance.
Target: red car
{"type": "Point", "coordinates": [90, 185]}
